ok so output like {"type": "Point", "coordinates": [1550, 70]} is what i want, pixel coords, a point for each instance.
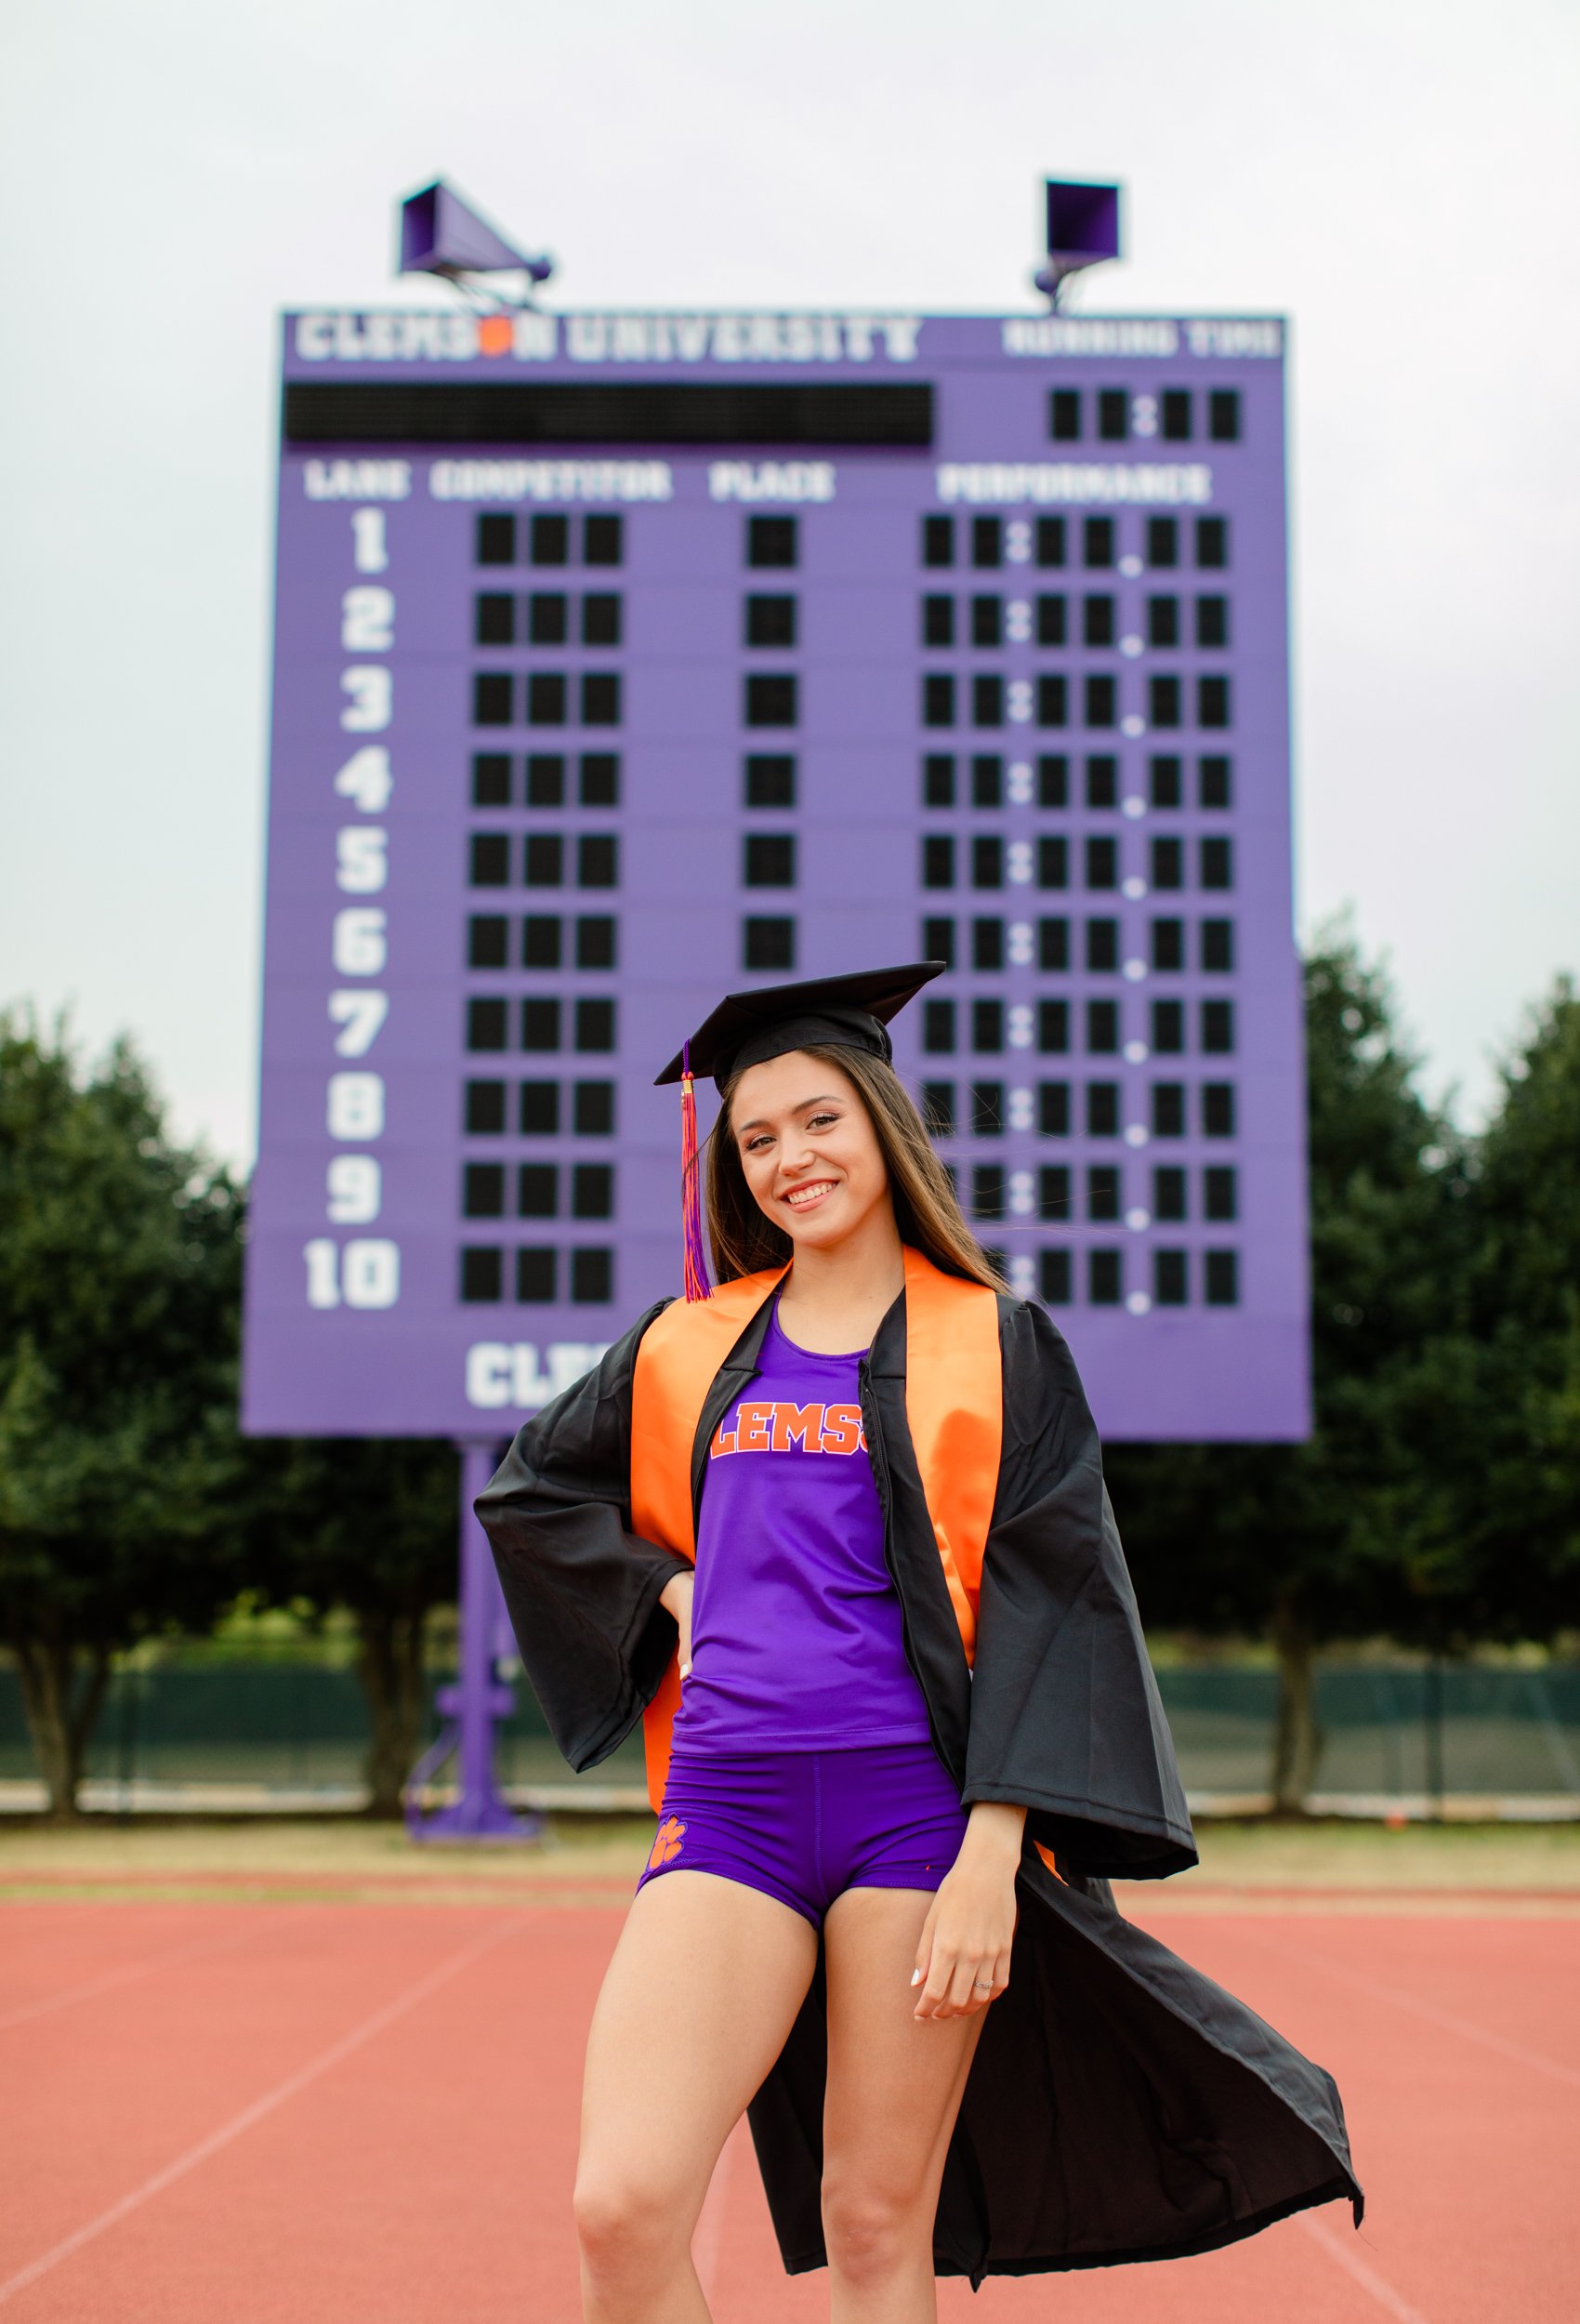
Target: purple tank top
{"type": "Point", "coordinates": [796, 1627]}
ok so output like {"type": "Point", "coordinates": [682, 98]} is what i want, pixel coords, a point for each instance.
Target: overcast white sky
{"type": "Point", "coordinates": [1399, 178]}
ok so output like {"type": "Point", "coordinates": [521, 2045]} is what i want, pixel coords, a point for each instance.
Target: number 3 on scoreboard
{"type": "Point", "coordinates": [372, 691]}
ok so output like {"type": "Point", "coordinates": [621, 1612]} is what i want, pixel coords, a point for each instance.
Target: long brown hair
{"type": "Point", "coordinates": [926, 1209]}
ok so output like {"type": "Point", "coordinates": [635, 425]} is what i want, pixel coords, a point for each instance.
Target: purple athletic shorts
{"type": "Point", "coordinates": [804, 1826]}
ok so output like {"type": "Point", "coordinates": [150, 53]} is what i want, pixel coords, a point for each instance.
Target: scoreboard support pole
{"type": "Point", "coordinates": [472, 1708]}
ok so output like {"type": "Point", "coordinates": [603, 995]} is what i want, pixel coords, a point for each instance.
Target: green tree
{"type": "Point", "coordinates": [1522, 1465]}
{"type": "Point", "coordinates": [369, 1524]}
{"type": "Point", "coordinates": [1356, 1531]}
{"type": "Point", "coordinates": [120, 1264]}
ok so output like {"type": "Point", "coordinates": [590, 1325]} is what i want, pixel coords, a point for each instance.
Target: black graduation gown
{"type": "Point", "coordinates": [1120, 2105]}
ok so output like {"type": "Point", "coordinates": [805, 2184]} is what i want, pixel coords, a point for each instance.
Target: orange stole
{"type": "Point", "coordinates": [954, 1405]}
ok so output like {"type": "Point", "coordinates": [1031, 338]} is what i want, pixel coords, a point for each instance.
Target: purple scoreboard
{"type": "Point", "coordinates": [622, 660]}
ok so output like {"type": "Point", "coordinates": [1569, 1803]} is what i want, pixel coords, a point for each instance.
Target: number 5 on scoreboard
{"type": "Point", "coordinates": [362, 858]}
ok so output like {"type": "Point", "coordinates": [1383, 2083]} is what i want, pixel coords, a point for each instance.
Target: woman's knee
{"type": "Point", "coordinates": [628, 2216]}
{"type": "Point", "coordinates": [871, 2229]}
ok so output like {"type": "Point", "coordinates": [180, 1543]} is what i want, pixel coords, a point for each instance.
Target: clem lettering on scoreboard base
{"type": "Point", "coordinates": [502, 1375]}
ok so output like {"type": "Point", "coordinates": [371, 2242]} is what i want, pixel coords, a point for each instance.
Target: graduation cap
{"type": "Point", "coordinates": [748, 1028]}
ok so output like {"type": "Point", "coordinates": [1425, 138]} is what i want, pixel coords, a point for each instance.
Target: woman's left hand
{"type": "Point", "coordinates": [963, 1958]}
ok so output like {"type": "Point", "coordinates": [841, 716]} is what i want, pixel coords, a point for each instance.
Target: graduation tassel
{"type": "Point", "coordinates": [697, 1284]}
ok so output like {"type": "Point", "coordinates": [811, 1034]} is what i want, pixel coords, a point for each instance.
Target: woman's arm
{"type": "Point", "coordinates": [963, 1958]}
{"type": "Point", "coordinates": [676, 1600]}
{"type": "Point", "coordinates": [584, 1593]}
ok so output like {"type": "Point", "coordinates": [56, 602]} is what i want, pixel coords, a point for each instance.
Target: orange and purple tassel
{"type": "Point", "coordinates": [697, 1284]}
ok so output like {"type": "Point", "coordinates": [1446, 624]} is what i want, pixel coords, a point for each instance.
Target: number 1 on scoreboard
{"type": "Point", "coordinates": [369, 551]}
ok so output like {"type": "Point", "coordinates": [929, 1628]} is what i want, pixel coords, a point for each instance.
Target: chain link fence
{"type": "Point", "coordinates": [1391, 1732]}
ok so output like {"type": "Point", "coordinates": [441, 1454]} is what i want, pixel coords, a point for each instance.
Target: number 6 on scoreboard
{"type": "Point", "coordinates": [358, 945]}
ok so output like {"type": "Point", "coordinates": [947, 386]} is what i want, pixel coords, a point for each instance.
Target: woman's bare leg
{"type": "Point", "coordinates": [698, 2000]}
{"type": "Point", "coordinates": [894, 2089]}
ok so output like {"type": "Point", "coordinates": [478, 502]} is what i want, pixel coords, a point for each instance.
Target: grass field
{"type": "Point", "coordinates": [1433, 1863]}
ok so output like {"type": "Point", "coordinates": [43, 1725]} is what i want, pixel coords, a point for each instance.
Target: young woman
{"type": "Point", "coordinates": [838, 1532]}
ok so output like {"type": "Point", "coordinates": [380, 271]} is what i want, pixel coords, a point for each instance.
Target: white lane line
{"type": "Point", "coordinates": [1445, 2019]}
{"type": "Point", "coordinates": [1338, 2248]}
{"type": "Point", "coordinates": [244, 2120]}
{"type": "Point", "coordinates": [114, 1978]}
{"type": "Point", "coordinates": [708, 2240]}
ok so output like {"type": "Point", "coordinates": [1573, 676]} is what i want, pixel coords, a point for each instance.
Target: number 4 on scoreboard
{"type": "Point", "coordinates": [365, 778]}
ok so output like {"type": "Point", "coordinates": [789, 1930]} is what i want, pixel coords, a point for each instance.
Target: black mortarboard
{"type": "Point", "coordinates": [847, 1011]}
{"type": "Point", "coordinates": [748, 1028]}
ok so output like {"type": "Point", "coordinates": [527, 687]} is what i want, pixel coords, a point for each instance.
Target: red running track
{"type": "Point", "coordinates": [293, 2113]}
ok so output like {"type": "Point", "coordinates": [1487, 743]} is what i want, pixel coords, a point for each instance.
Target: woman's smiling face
{"type": "Point", "coordinates": [810, 1156]}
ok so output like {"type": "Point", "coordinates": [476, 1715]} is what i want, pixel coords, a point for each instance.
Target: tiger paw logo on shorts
{"type": "Point", "coordinates": [667, 1843]}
